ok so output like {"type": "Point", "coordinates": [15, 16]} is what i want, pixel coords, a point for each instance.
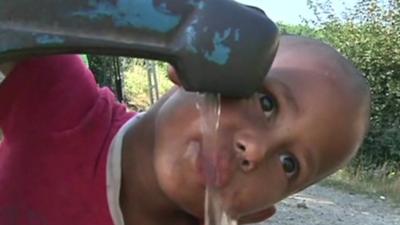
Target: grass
{"type": "Point", "coordinates": [376, 184]}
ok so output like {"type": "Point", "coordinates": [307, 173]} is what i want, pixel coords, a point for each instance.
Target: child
{"type": "Point", "coordinates": [62, 160]}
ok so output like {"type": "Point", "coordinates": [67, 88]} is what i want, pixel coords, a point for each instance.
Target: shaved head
{"type": "Point", "coordinates": [328, 58]}
{"type": "Point", "coordinates": [320, 61]}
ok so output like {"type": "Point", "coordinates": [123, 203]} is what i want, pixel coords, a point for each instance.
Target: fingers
{"type": "Point", "coordinates": [173, 76]}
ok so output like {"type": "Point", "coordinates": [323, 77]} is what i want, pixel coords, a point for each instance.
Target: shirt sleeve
{"type": "Point", "coordinates": [46, 94]}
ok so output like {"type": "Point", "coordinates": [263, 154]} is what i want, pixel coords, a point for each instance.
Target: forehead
{"type": "Point", "coordinates": [305, 86]}
{"type": "Point", "coordinates": [313, 73]}
{"type": "Point", "coordinates": [309, 68]}
{"type": "Point", "coordinates": [316, 97]}
{"type": "Point", "coordinates": [321, 127]}
{"type": "Point", "coordinates": [311, 56]}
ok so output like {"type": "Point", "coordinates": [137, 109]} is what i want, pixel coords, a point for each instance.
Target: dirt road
{"type": "Point", "coordinates": [327, 206]}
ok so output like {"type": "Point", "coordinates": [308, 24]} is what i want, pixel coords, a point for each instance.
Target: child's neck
{"type": "Point", "coordinates": [142, 200]}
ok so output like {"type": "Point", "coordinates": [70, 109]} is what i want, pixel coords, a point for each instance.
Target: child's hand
{"type": "Point", "coordinates": [173, 76]}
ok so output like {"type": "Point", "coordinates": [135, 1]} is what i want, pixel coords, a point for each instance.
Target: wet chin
{"type": "Point", "coordinates": [185, 193]}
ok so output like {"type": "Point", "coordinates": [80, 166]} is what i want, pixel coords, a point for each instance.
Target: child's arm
{"type": "Point", "coordinates": [50, 89]}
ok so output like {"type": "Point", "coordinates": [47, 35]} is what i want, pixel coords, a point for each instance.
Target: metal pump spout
{"type": "Point", "coordinates": [216, 46]}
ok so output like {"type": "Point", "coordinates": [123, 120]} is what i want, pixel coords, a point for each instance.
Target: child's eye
{"type": "Point", "coordinates": [290, 165]}
{"type": "Point", "coordinates": [267, 104]}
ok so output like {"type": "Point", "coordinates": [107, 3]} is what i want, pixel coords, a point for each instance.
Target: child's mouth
{"type": "Point", "coordinates": [213, 166]}
{"type": "Point", "coordinates": [217, 174]}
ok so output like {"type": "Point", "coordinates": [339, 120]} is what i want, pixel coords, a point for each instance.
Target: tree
{"type": "Point", "coordinates": [297, 29]}
{"type": "Point", "coordinates": [369, 35]}
{"type": "Point", "coordinates": [108, 71]}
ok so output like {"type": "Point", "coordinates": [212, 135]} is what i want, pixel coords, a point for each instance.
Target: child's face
{"type": "Point", "coordinates": [299, 129]}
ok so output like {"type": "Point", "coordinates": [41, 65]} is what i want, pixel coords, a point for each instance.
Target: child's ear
{"type": "Point", "coordinates": [173, 76]}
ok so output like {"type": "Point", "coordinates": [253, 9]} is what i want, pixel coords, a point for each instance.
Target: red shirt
{"type": "Point", "coordinates": [58, 125]}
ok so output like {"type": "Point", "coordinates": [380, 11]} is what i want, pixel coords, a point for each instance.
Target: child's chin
{"type": "Point", "coordinates": [259, 216]}
{"type": "Point", "coordinates": [253, 218]}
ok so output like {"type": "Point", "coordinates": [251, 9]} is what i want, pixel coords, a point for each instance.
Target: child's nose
{"type": "Point", "coordinates": [249, 154]}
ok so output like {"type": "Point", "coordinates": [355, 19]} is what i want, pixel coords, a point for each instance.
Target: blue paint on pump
{"type": "Point", "coordinates": [142, 14]}
{"type": "Point", "coordinates": [221, 52]}
{"type": "Point", "coordinates": [198, 4]}
{"type": "Point", "coordinates": [237, 35]}
{"type": "Point", "coordinates": [46, 39]}
{"type": "Point", "coordinates": [190, 39]}
{"type": "Point", "coordinates": [163, 8]}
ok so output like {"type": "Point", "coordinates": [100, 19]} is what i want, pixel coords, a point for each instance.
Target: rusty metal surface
{"type": "Point", "coordinates": [216, 45]}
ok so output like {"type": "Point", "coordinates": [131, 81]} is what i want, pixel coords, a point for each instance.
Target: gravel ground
{"type": "Point", "coordinates": [326, 206]}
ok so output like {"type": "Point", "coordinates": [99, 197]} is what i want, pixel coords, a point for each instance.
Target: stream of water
{"type": "Point", "coordinates": [209, 107]}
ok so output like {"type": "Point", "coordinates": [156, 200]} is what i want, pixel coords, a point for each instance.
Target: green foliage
{"type": "Point", "coordinates": [374, 183]}
{"type": "Point", "coordinates": [136, 87]}
{"type": "Point", "coordinates": [135, 81]}
{"type": "Point", "coordinates": [103, 69]}
{"type": "Point", "coordinates": [85, 59]}
{"type": "Point", "coordinates": [298, 29]}
{"type": "Point", "coordinates": [369, 35]}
